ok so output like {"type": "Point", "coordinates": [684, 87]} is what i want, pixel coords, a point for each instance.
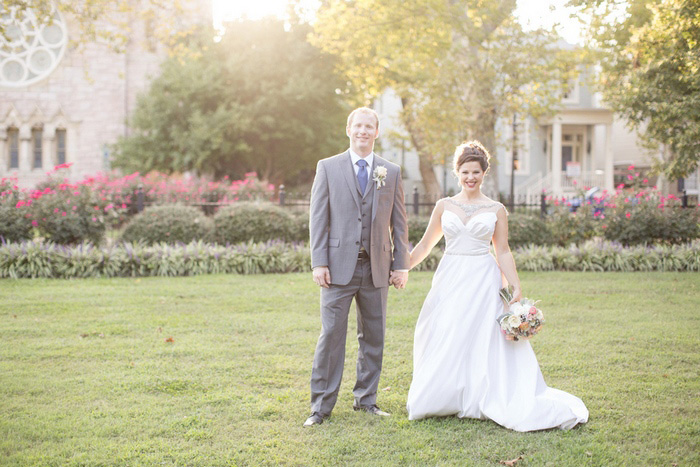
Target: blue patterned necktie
{"type": "Point", "coordinates": [362, 175]}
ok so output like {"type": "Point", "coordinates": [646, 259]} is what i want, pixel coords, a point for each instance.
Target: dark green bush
{"type": "Point", "coordinates": [566, 228]}
{"type": "Point", "coordinates": [300, 231]}
{"type": "Point", "coordinates": [259, 222]}
{"type": "Point", "coordinates": [170, 223]}
{"type": "Point", "coordinates": [416, 228]}
{"type": "Point", "coordinates": [527, 228]}
{"type": "Point", "coordinates": [14, 223]}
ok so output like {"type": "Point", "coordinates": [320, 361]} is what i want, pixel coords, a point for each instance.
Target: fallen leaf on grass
{"type": "Point", "coordinates": [14, 316]}
{"type": "Point", "coordinates": [511, 462]}
{"type": "Point", "coordinates": [159, 329]}
{"type": "Point", "coordinates": [589, 453]}
{"type": "Point", "coordinates": [170, 339]}
{"type": "Point", "coordinates": [388, 388]}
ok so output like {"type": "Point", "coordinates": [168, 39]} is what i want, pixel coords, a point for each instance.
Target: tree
{"type": "Point", "coordinates": [650, 75]}
{"type": "Point", "coordinates": [261, 99]}
{"type": "Point", "coordinates": [104, 21]}
{"type": "Point", "coordinates": [457, 65]}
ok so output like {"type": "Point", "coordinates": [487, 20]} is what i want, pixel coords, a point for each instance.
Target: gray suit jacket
{"type": "Point", "coordinates": [335, 232]}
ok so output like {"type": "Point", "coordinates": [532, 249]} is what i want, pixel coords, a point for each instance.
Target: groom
{"type": "Point", "coordinates": [359, 245]}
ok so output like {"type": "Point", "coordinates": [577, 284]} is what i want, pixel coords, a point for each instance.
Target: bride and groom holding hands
{"type": "Point", "coordinates": [462, 365]}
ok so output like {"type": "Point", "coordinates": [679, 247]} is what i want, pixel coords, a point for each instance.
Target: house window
{"type": "Point", "coordinates": [571, 95]}
{"type": "Point", "coordinates": [60, 147]}
{"type": "Point", "coordinates": [13, 147]}
{"type": "Point", "coordinates": [37, 134]}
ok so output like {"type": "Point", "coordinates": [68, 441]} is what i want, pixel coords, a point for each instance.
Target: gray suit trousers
{"type": "Point", "coordinates": [329, 358]}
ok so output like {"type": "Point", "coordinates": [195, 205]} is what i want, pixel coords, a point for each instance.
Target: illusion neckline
{"type": "Point", "coordinates": [463, 223]}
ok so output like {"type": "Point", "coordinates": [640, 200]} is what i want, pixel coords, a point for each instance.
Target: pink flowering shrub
{"type": "Point", "coordinates": [633, 214]}
{"type": "Point", "coordinates": [15, 225]}
{"type": "Point", "coordinates": [159, 188]}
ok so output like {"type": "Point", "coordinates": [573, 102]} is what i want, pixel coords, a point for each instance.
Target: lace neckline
{"type": "Point", "coordinates": [470, 209]}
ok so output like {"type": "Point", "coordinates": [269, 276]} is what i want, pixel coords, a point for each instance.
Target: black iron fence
{"type": "Point", "coordinates": [417, 204]}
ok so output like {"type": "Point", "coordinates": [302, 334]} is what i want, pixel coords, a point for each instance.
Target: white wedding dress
{"type": "Point", "coordinates": [462, 364]}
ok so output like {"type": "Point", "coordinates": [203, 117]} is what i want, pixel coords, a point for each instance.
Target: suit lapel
{"type": "Point", "coordinates": [372, 186]}
{"type": "Point", "coordinates": [349, 175]}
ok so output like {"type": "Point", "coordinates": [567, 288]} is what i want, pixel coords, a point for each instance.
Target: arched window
{"type": "Point", "coordinates": [13, 147]}
{"type": "Point", "coordinates": [37, 149]}
{"type": "Point", "coordinates": [60, 146]}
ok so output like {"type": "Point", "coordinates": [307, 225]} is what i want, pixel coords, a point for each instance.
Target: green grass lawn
{"type": "Point", "coordinates": [87, 376]}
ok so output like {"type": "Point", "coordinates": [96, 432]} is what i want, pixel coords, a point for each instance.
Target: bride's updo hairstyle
{"type": "Point", "coordinates": [471, 151]}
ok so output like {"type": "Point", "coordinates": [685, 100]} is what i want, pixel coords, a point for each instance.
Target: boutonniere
{"type": "Point", "coordinates": [379, 176]}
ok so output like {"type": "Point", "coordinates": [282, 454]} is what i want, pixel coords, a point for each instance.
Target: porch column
{"type": "Point", "coordinates": [556, 158]}
{"type": "Point", "coordinates": [608, 167]}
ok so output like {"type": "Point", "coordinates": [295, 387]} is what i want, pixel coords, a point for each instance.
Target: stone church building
{"type": "Point", "coordinates": [61, 104]}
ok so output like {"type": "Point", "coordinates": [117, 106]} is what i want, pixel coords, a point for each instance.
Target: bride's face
{"type": "Point", "coordinates": [471, 176]}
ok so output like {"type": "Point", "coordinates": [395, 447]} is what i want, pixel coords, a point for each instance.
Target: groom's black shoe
{"type": "Point", "coordinates": [315, 419]}
{"type": "Point", "coordinates": [373, 409]}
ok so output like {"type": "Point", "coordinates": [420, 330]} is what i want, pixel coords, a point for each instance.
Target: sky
{"type": "Point", "coordinates": [532, 13]}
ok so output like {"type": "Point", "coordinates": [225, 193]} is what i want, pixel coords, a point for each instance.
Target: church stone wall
{"type": "Point", "coordinates": [87, 97]}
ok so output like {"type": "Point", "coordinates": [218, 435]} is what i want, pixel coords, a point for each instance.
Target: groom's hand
{"type": "Point", "coordinates": [398, 279]}
{"type": "Point", "coordinates": [322, 276]}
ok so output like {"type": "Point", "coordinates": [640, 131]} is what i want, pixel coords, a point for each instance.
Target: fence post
{"type": "Point", "coordinates": [543, 205]}
{"type": "Point", "coordinates": [139, 198]}
{"type": "Point", "coordinates": [684, 199]}
{"type": "Point", "coordinates": [415, 200]}
{"type": "Point", "coordinates": [283, 194]}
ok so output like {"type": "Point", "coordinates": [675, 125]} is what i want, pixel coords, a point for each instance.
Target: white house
{"type": "Point", "coordinates": [583, 145]}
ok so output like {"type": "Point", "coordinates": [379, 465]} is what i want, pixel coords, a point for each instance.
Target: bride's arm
{"type": "Point", "coordinates": [432, 235]}
{"type": "Point", "coordinates": [504, 255]}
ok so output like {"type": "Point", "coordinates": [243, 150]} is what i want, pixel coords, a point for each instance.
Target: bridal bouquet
{"type": "Point", "coordinates": [523, 319]}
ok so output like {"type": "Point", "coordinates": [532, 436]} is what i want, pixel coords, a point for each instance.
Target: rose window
{"type": "Point", "coordinates": [29, 50]}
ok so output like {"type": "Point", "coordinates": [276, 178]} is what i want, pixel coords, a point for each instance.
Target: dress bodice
{"type": "Point", "coordinates": [468, 228]}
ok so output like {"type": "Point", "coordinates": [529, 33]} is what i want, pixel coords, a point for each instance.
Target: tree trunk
{"type": "Point", "coordinates": [425, 162]}
{"type": "Point", "coordinates": [486, 129]}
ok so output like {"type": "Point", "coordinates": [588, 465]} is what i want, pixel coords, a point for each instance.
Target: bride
{"type": "Point", "coordinates": [462, 364]}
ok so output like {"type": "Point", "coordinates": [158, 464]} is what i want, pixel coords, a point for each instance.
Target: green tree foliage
{"type": "Point", "coordinates": [110, 21]}
{"type": "Point", "coordinates": [457, 65]}
{"type": "Point", "coordinates": [261, 99]}
{"type": "Point", "coordinates": [650, 58]}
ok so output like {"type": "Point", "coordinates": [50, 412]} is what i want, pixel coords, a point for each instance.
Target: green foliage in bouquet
{"type": "Point", "coordinates": [257, 222]}
{"type": "Point", "coordinates": [170, 223]}
{"type": "Point", "coordinates": [14, 222]}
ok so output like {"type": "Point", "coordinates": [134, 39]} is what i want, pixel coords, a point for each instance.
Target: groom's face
{"type": "Point", "coordinates": [362, 132]}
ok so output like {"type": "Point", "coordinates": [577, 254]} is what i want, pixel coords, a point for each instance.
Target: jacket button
{"type": "Point", "coordinates": [359, 219]}
{"type": "Point", "coordinates": [357, 243]}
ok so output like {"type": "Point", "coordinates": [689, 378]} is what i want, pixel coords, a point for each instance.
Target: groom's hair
{"type": "Point", "coordinates": [364, 110]}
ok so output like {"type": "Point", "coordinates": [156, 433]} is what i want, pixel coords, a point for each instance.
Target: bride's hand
{"type": "Point", "coordinates": [517, 295]}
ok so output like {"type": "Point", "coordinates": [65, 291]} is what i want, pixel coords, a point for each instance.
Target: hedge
{"type": "Point", "coordinates": [48, 260]}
